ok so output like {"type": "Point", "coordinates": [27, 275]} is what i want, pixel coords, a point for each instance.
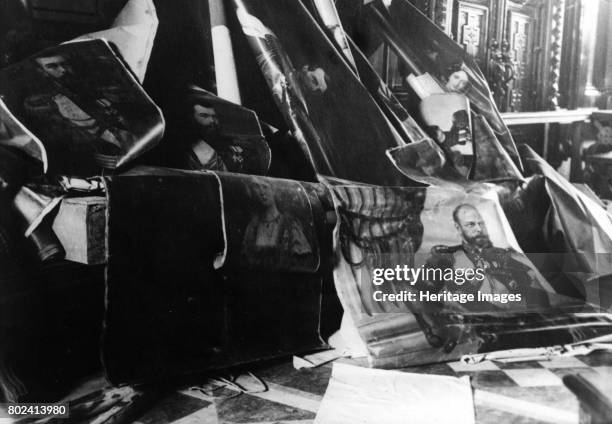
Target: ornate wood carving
{"type": "Point", "coordinates": [533, 48]}
{"type": "Point", "coordinates": [471, 30]}
{"type": "Point", "coordinates": [441, 14]}
{"type": "Point", "coordinates": [556, 40]}
{"type": "Point", "coordinates": [520, 32]}
{"type": "Point", "coordinates": [501, 72]}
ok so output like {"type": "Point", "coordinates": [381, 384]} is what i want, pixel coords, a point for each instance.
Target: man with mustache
{"type": "Point", "coordinates": [216, 148]}
{"type": "Point", "coordinates": [78, 119]}
{"type": "Point", "coordinates": [495, 270]}
{"type": "Point", "coordinates": [505, 270]}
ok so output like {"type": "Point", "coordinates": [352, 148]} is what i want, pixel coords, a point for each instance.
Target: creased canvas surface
{"type": "Point", "coordinates": [168, 310]}
{"type": "Point", "coordinates": [84, 106]}
{"type": "Point", "coordinates": [132, 32]}
{"type": "Point", "coordinates": [430, 50]}
{"type": "Point", "coordinates": [427, 229]}
{"type": "Point", "coordinates": [339, 126]}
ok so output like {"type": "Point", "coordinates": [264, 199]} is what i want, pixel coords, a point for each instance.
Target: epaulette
{"type": "Point", "coordinates": [441, 249]}
{"type": "Point", "coordinates": [499, 250]}
{"type": "Point", "coordinates": [442, 257]}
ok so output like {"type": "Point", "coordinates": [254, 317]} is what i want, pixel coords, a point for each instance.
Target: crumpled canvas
{"type": "Point", "coordinates": [169, 311]}
{"type": "Point", "coordinates": [86, 109]}
{"type": "Point", "coordinates": [132, 32]}
{"type": "Point", "coordinates": [429, 49]}
{"type": "Point", "coordinates": [383, 228]}
{"type": "Point", "coordinates": [340, 128]}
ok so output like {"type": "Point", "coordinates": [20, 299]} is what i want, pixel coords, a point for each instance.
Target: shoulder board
{"type": "Point", "coordinates": [442, 249]}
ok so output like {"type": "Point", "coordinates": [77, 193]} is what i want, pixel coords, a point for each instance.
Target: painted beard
{"type": "Point", "coordinates": [211, 130]}
{"type": "Point", "coordinates": [479, 241]}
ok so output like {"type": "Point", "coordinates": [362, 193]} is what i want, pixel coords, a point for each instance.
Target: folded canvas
{"type": "Point", "coordinates": [132, 32]}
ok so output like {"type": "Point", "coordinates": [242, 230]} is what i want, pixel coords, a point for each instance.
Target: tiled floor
{"type": "Point", "coordinates": [530, 392]}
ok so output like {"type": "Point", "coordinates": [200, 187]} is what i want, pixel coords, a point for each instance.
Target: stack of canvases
{"type": "Point", "coordinates": [436, 243]}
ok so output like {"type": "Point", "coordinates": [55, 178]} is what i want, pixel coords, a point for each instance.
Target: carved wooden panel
{"type": "Point", "coordinates": [520, 33]}
{"type": "Point", "coordinates": [471, 30]}
{"type": "Point", "coordinates": [531, 28]}
{"type": "Point", "coordinates": [554, 55]}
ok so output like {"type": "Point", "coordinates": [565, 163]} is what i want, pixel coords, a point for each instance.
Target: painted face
{"type": "Point", "coordinates": [457, 81]}
{"type": "Point", "coordinates": [55, 66]}
{"type": "Point", "coordinates": [206, 117]}
{"type": "Point", "coordinates": [471, 227]}
{"type": "Point", "coordinates": [264, 192]}
{"type": "Point", "coordinates": [315, 79]}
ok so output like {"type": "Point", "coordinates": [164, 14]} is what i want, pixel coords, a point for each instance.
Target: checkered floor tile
{"type": "Point", "coordinates": [533, 377]}
{"type": "Point", "coordinates": [526, 392]}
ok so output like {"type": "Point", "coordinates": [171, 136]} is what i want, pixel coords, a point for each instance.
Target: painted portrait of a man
{"type": "Point", "coordinates": [90, 119]}
{"type": "Point", "coordinates": [505, 270]}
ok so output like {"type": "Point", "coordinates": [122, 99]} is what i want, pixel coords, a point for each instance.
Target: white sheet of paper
{"type": "Point", "coordinates": [366, 395]}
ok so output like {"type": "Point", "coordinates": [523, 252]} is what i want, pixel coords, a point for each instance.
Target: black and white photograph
{"type": "Point", "coordinates": [305, 211]}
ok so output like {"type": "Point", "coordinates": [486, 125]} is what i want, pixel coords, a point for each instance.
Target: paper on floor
{"type": "Point", "coordinates": [366, 395]}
